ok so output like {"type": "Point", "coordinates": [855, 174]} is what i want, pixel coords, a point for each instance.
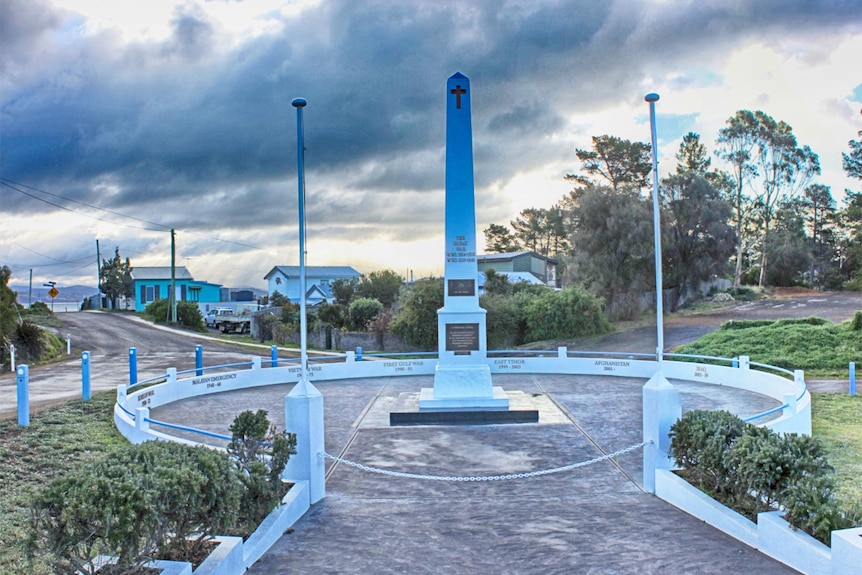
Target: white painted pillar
{"type": "Point", "coordinates": [661, 408]}
{"type": "Point", "coordinates": [303, 415]}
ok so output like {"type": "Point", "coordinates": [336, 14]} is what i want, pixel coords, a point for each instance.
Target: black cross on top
{"type": "Point", "coordinates": [458, 91]}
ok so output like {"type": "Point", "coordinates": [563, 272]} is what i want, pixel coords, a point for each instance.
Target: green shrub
{"type": "Point", "coordinates": [565, 314]}
{"type": "Point", "coordinates": [151, 500]}
{"type": "Point", "coordinates": [188, 314]}
{"type": "Point", "coordinates": [362, 311]}
{"type": "Point", "coordinates": [28, 336]}
{"type": "Point", "coordinates": [754, 469]}
{"type": "Point", "coordinates": [856, 324]}
{"type": "Point", "coordinates": [39, 309]}
{"type": "Point", "coordinates": [810, 505]}
{"type": "Point", "coordinates": [262, 453]}
{"type": "Point", "coordinates": [416, 320]}
{"type": "Point", "coordinates": [699, 441]}
{"type": "Point", "coordinates": [501, 320]}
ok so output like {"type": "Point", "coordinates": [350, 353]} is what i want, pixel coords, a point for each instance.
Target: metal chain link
{"type": "Point", "coordinates": [487, 477]}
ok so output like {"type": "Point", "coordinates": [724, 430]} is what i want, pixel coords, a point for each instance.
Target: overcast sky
{"type": "Point", "coordinates": [122, 120]}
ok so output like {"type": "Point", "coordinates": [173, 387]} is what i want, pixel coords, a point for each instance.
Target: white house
{"type": "Point", "coordinates": [285, 280]}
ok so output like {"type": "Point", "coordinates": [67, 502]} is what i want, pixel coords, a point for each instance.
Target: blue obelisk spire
{"type": "Point", "coordinates": [460, 197]}
{"type": "Point", "coordinates": [462, 380]}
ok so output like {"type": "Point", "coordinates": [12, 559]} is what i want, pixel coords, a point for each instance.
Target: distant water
{"type": "Point", "coordinates": [62, 306]}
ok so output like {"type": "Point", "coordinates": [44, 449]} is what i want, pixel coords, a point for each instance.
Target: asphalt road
{"type": "Point", "coordinates": [108, 337]}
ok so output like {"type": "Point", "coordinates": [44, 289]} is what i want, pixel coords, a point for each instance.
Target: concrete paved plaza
{"type": "Point", "coordinates": [593, 519]}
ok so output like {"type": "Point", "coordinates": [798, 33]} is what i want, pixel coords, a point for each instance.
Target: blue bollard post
{"type": "Point", "coordinates": [273, 356]}
{"type": "Point", "coordinates": [85, 375]}
{"type": "Point", "coordinates": [23, 372]}
{"type": "Point", "coordinates": [199, 360]}
{"type": "Point", "coordinates": [358, 354]}
{"type": "Point", "coordinates": [852, 378]}
{"type": "Point", "coordinates": [133, 366]}
{"type": "Point", "coordinates": [734, 363]}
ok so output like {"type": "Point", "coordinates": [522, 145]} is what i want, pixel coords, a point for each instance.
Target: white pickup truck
{"type": "Point", "coordinates": [227, 320]}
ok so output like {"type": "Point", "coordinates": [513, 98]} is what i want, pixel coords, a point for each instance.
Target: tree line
{"type": "Point", "coordinates": [760, 218]}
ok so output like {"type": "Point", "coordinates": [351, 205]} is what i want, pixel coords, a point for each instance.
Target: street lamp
{"type": "Point", "coordinates": [299, 104]}
{"type": "Point", "coordinates": [652, 98]}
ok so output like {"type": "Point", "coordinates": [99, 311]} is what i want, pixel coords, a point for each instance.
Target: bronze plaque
{"type": "Point", "coordinates": [462, 287]}
{"type": "Point", "coordinates": [462, 337]}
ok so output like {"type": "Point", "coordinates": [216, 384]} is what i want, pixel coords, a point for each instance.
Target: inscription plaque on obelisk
{"type": "Point", "coordinates": [462, 380]}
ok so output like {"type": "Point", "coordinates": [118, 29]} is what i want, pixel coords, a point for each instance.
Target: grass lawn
{"type": "Point", "coordinates": [57, 441]}
{"type": "Point", "coordinates": [822, 348]}
{"type": "Point", "coordinates": [837, 422]}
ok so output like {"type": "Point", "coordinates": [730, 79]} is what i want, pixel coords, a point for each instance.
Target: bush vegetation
{"type": "Point", "coordinates": [516, 313]}
{"type": "Point", "coordinates": [87, 492]}
{"type": "Point", "coordinates": [753, 469]}
{"type": "Point", "coordinates": [188, 314]}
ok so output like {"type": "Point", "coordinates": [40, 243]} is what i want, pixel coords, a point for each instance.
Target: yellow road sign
{"type": "Point", "coordinates": [53, 292]}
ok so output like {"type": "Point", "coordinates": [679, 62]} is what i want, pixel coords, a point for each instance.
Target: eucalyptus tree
{"type": "Point", "coordinates": [852, 162]}
{"type": "Point", "coordinates": [613, 247]}
{"type": "Point", "coordinates": [850, 243]}
{"type": "Point", "coordinates": [819, 210]}
{"type": "Point", "coordinates": [784, 168]}
{"type": "Point", "coordinates": [850, 218]}
{"type": "Point", "coordinates": [698, 238]}
{"type": "Point", "coordinates": [789, 251]}
{"type": "Point", "coordinates": [735, 144]}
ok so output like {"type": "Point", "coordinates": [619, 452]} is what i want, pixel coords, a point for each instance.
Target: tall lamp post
{"type": "Point", "coordinates": [299, 104]}
{"type": "Point", "coordinates": [303, 406]}
{"type": "Point", "coordinates": [652, 98]}
{"type": "Point", "coordinates": [661, 402]}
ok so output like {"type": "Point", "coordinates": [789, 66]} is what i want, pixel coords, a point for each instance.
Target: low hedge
{"type": "Point", "coordinates": [160, 500]}
{"type": "Point", "coordinates": [753, 469]}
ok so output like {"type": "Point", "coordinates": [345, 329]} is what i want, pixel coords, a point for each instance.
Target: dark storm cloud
{"type": "Point", "coordinates": [23, 27]}
{"type": "Point", "coordinates": [186, 120]}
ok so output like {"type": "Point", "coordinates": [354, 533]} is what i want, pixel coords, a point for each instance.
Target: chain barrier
{"type": "Point", "coordinates": [487, 477]}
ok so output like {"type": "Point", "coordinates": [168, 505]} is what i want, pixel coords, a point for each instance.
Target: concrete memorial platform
{"type": "Point", "coordinates": [595, 519]}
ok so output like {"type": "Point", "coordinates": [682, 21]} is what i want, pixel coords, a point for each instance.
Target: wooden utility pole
{"type": "Point", "coordinates": [98, 276]}
{"type": "Point", "coordinates": [173, 300]}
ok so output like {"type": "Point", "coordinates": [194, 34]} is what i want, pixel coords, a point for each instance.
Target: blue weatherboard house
{"type": "Point", "coordinates": [155, 283]}
{"type": "Point", "coordinates": [285, 280]}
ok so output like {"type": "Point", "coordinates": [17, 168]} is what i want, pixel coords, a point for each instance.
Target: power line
{"type": "Point", "coordinates": [11, 185]}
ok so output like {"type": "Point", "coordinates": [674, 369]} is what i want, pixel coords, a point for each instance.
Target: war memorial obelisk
{"type": "Point", "coordinates": [462, 380]}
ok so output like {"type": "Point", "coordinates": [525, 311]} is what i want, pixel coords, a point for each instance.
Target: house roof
{"type": "Point", "coordinates": [315, 272]}
{"type": "Point", "coordinates": [508, 256]}
{"type": "Point", "coordinates": [160, 273]}
{"type": "Point", "coordinates": [513, 277]}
